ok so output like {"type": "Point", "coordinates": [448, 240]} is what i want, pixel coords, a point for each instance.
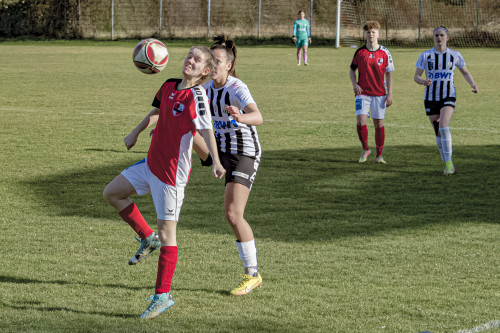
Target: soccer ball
{"type": "Point", "coordinates": [150, 56]}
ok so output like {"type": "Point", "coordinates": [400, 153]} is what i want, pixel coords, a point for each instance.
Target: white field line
{"type": "Point", "coordinates": [484, 327]}
{"type": "Point", "coordinates": [477, 129]}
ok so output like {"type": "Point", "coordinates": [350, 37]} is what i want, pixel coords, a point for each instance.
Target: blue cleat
{"type": "Point", "coordinates": [159, 303]}
{"type": "Point", "coordinates": [148, 245]}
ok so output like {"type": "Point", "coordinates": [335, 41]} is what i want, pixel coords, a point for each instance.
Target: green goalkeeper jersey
{"type": "Point", "coordinates": [301, 29]}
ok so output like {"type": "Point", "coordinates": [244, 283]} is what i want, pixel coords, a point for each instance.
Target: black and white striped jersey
{"type": "Point", "coordinates": [440, 68]}
{"type": "Point", "coordinates": [232, 137]}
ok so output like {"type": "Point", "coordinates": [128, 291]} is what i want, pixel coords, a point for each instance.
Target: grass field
{"type": "Point", "coordinates": [342, 247]}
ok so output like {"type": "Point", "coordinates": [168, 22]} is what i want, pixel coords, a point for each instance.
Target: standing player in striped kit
{"type": "Point", "coordinates": [235, 116]}
{"type": "Point", "coordinates": [180, 108]}
{"type": "Point", "coordinates": [372, 61]}
{"type": "Point", "coordinates": [440, 96]}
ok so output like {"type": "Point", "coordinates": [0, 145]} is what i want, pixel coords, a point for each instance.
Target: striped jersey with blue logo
{"type": "Point", "coordinates": [440, 68]}
{"type": "Point", "coordinates": [232, 137]}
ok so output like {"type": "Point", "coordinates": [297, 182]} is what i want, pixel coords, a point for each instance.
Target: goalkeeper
{"type": "Point", "coordinates": [301, 36]}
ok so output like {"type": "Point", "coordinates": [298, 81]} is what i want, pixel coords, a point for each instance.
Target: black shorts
{"type": "Point", "coordinates": [434, 107]}
{"type": "Point", "coordinates": [239, 168]}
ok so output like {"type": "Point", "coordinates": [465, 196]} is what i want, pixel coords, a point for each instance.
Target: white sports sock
{"type": "Point", "coordinates": [446, 143]}
{"type": "Point", "coordinates": [440, 146]}
{"type": "Point", "coordinates": [248, 255]}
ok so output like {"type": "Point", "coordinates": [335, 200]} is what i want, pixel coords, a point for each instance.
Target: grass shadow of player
{"type": "Point", "coordinates": [316, 194]}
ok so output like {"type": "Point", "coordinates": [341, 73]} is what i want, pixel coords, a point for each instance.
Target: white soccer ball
{"type": "Point", "coordinates": [150, 56]}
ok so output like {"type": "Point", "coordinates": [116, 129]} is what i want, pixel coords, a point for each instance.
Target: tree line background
{"type": "Point", "coordinates": [473, 22]}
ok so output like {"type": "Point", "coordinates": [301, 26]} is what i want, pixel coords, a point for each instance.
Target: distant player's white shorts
{"type": "Point", "coordinates": [375, 104]}
{"type": "Point", "coordinates": [167, 199]}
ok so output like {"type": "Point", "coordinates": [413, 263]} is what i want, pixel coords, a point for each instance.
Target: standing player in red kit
{"type": "Point", "coordinates": [180, 109]}
{"type": "Point", "coordinates": [372, 61]}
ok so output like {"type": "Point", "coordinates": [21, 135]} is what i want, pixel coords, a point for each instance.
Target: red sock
{"type": "Point", "coordinates": [363, 135]}
{"type": "Point", "coordinates": [379, 139]}
{"type": "Point", "coordinates": [166, 267]}
{"type": "Point", "coordinates": [133, 217]}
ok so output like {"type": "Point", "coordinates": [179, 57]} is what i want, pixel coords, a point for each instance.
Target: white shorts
{"type": "Point", "coordinates": [374, 103]}
{"type": "Point", "coordinates": [167, 199]}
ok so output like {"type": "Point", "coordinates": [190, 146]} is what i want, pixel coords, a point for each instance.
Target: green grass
{"type": "Point", "coordinates": [342, 247]}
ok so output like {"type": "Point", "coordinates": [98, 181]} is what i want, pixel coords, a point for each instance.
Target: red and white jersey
{"type": "Point", "coordinates": [372, 66]}
{"type": "Point", "coordinates": [181, 113]}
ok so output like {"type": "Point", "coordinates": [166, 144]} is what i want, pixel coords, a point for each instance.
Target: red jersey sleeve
{"type": "Point", "coordinates": [354, 63]}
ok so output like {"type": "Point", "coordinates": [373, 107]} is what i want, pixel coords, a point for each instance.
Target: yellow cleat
{"type": "Point", "coordinates": [450, 169]}
{"type": "Point", "coordinates": [248, 284]}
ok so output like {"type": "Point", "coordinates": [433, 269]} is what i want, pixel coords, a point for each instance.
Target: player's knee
{"type": "Point", "coordinates": [106, 193]}
{"type": "Point", "coordinates": [109, 194]}
{"type": "Point", "coordinates": [233, 217]}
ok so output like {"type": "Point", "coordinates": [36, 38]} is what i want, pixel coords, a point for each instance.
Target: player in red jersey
{"type": "Point", "coordinates": [180, 110]}
{"type": "Point", "coordinates": [372, 61]}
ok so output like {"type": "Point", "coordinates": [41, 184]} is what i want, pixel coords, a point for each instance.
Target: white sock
{"type": "Point", "coordinates": [248, 255]}
{"type": "Point", "coordinates": [440, 146]}
{"type": "Point", "coordinates": [446, 143]}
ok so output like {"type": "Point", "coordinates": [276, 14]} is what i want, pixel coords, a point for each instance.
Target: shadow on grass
{"type": "Point", "coordinates": [316, 194]}
{"type": "Point", "coordinates": [20, 280]}
{"type": "Point", "coordinates": [39, 307]}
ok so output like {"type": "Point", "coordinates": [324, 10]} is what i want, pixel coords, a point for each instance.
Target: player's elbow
{"type": "Point", "coordinates": [259, 120]}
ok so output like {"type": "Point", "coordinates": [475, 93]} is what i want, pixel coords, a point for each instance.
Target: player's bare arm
{"type": "Point", "coordinates": [200, 147]}
{"type": "Point", "coordinates": [418, 78]}
{"type": "Point", "coordinates": [252, 115]}
{"type": "Point", "coordinates": [154, 120]}
{"type": "Point", "coordinates": [150, 119]}
{"type": "Point", "coordinates": [357, 89]}
{"type": "Point", "coordinates": [388, 81]}
{"type": "Point", "coordinates": [468, 78]}
{"type": "Point", "coordinates": [217, 169]}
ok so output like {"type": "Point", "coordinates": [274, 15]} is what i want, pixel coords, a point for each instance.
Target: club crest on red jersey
{"type": "Point", "coordinates": [178, 109]}
{"type": "Point", "coordinates": [380, 61]}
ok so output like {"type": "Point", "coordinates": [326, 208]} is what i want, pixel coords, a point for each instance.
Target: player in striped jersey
{"type": "Point", "coordinates": [372, 61]}
{"type": "Point", "coordinates": [301, 36]}
{"type": "Point", "coordinates": [440, 96]}
{"type": "Point", "coordinates": [180, 108]}
{"type": "Point", "coordinates": [235, 116]}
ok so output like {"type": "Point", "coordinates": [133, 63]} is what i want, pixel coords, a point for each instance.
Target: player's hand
{"type": "Point", "coordinates": [130, 140]}
{"type": "Point", "coordinates": [388, 100]}
{"type": "Point", "coordinates": [427, 82]}
{"type": "Point", "coordinates": [294, 39]}
{"type": "Point", "coordinates": [234, 112]}
{"type": "Point", "coordinates": [310, 40]}
{"type": "Point", "coordinates": [218, 170]}
{"type": "Point", "coordinates": [474, 88]}
{"type": "Point", "coordinates": [151, 132]}
{"type": "Point", "coordinates": [357, 89]}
